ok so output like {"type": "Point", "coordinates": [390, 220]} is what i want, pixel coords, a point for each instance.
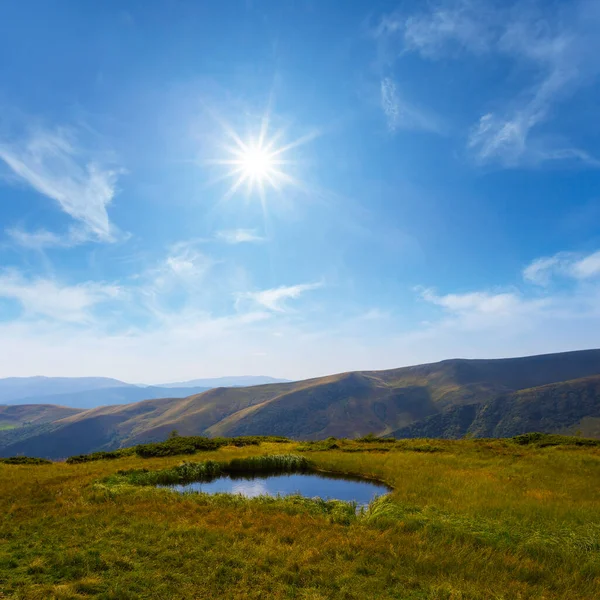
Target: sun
{"type": "Point", "coordinates": [258, 163]}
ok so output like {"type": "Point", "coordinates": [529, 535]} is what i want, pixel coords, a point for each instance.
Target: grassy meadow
{"type": "Point", "coordinates": [468, 519]}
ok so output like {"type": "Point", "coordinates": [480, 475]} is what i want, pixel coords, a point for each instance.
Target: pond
{"type": "Point", "coordinates": [310, 485]}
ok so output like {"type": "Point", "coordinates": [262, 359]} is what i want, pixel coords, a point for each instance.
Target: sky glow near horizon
{"type": "Point", "coordinates": [294, 189]}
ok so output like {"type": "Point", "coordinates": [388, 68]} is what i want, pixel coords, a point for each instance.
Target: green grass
{"type": "Point", "coordinates": [176, 446]}
{"type": "Point", "coordinates": [468, 519]}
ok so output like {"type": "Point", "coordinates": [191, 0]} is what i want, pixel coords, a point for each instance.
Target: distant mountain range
{"type": "Point", "coordinates": [91, 392]}
{"type": "Point", "coordinates": [18, 389]}
{"type": "Point", "coordinates": [452, 398]}
{"type": "Point", "coordinates": [241, 381]}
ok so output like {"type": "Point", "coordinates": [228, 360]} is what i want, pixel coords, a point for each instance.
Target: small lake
{"type": "Point", "coordinates": [309, 485]}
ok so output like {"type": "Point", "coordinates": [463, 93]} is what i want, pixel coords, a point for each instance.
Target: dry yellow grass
{"type": "Point", "coordinates": [473, 520]}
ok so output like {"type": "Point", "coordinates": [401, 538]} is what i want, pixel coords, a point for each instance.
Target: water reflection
{"type": "Point", "coordinates": [310, 485]}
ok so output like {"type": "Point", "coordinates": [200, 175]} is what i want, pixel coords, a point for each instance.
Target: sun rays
{"type": "Point", "coordinates": [261, 163]}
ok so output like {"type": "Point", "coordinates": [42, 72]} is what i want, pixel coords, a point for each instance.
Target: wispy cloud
{"type": "Point", "coordinates": [561, 47]}
{"type": "Point", "coordinates": [184, 264]}
{"type": "Point", "coordinates": [401, 115]}
{"type": "Point", "coordinates": [543, 271]}
{"type": "Point", "coordinates": [49, 298]}
{"type": "Point", "coordinates": [36, 240]}
{"type": "Point", "coordinates": [480, 302]}
{"type": "Point", "coordinates": [239, 236]}
{"type": "Point", "coordinates": [275, 299]}
{"type": "Point", "coordinates": [51, 163]}
{"type": "Point", "coordinates": [443, 28]}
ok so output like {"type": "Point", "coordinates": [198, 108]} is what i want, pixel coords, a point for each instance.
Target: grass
{"type": "Point", "coordinates": [468, 519]}
{"type": "Point", "coordinates": [176, 446]}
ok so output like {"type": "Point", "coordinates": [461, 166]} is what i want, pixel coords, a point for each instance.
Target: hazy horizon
{"type": "Point", "coordinates": [158, 383]}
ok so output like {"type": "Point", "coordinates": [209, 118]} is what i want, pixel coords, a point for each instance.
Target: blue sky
{"type": "Point", "coordinates": [295, 188]}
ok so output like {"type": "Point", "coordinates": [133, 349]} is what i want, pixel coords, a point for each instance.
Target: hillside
{"type": "Point", "coordinates": [566, 407]}
{"type": "Point", "coordinates": [110, 396]}
{"type": "Point", "coordinates": [13, 389]}
{"type": "Point", "coordinates": [33, 414]}
{"type": "Point", "coordinates": [235, 381]}
{"type": "Point", "coordinates": [445, 399]}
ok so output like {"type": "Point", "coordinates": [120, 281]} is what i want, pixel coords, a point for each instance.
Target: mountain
{"type": "Point", "coordinates": [552, 393]}
{"type": "Point", "coordinates": [90, 392]}
{"type": "Point", "coordinates": [18, 388]}
{"type": "Point", "coordinates": [33, 414]}
{"type": "Point", "coordinates": [239, 381]}
{"type": "Point", "coordinates": [110, 396]}
{"type": "Point", "coordinates": [571, 407]}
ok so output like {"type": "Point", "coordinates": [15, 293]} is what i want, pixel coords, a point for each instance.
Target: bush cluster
{"type": "Point", "coordinates": [210, 469]}
{"type": "Point", "coordinates": [177, 445]}
{"type": "Point", "coordinates": [25, 460]}
{"type": "Point", "coordinates": [551, 439]}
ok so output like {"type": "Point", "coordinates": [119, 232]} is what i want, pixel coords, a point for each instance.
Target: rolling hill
{"type": "Point", "coordinates": [110, 396]}
{"type": "Point", "coordinates": [236, 381]}
{"type": "Point", "coordinates": [18, 389]}
{"type": "Point", "coordinates": [33, 414]}
{"type": "Point", "coordinates": [552, 393]}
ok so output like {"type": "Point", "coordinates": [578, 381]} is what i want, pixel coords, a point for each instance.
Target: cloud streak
{"type": "Point", "coordinates": [545, 270]}
{"type": "Point", "coordinates": [401, 115]}
{"type": "Point", "coordinates": [275, 299]}
{"type": "Point", "coordinates": [43, 297]}
{"type": "Point", "coordinates": [239, 236]}
{"type": "Point", "coordinates": [561, 47]}
{"type": "Point", "coordinates": [50, 163]}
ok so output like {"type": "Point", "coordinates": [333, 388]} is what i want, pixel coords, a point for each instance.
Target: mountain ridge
{"type": "Point", "coordinates": [446, 398]}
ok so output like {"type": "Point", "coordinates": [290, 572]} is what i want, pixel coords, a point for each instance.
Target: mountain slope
{"type": "Point", "coordinates": [110, 396]}
{"type": "Point", "coordinates": [33, 414]}
{"type": "Point", "coordinates": [448, 398]}
{"type": "Point", "coordinates": [564, 407]}
{"type": "Point", "coordinates": [17, 388]}
{"type": "Point", "coordinates": [213, 382]}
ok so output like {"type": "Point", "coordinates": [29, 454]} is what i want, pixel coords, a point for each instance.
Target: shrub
{"type": "Point", "coordinates": [208, 470]}
{"type": "Point", "coordinates": [542, 440]}
{"type": "Point", "coordinates": [371, 438]}
{"type": "Point", "coordinates": [330, 443]}
{"type": "Point", "coordinates": [25, 460]}
{"type": "Point", "coordinates": [82, 458]}
{"type": "Point", "coordinates": [177, 445]}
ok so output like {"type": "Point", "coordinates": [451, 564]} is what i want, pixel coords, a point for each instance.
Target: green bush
{"type": "Point", "coordinates": [330, 443]}
{"type": "Point", "coordinates": [551, 439]}
{"type": "Point", "coordinates": [177, 445]}
{"type": "Point", "coordinates": [82, 458]}
{"type": "Point", "coordinates": [25, 460]}
{"type": "Point", "coordinates": [210, 469]}
{"type": "Point", "coordinates": [371, 438]}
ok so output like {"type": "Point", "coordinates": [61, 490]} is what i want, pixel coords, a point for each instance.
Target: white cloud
{"type": "Point", "coordinates": [239, 236]}
{"type": "Point", "coordinates": [589, 266]}
{"type": "Point", "coordinates": [399, 114]}
{"type": "Point", "coordinates": [48, 298]}
{"type": "Point", "coordinates": [184, 264]}
{"type": "Point", "coordinates": [464, 25]}
{"type": "Point", "coordinates": [36, 240]}
{"type": "Point", "coordinates": [51, 164]}
{"type": "Point", "coordinates": [275, 299]}
{"type": "Point", "coordinates": [564, 264]}
{"type": "Point", "coordinates": [193, 343]}
{"type": "Point", "coordinates": [476, 302]}
{"type": "Point", "coordinates": [561, 47]}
